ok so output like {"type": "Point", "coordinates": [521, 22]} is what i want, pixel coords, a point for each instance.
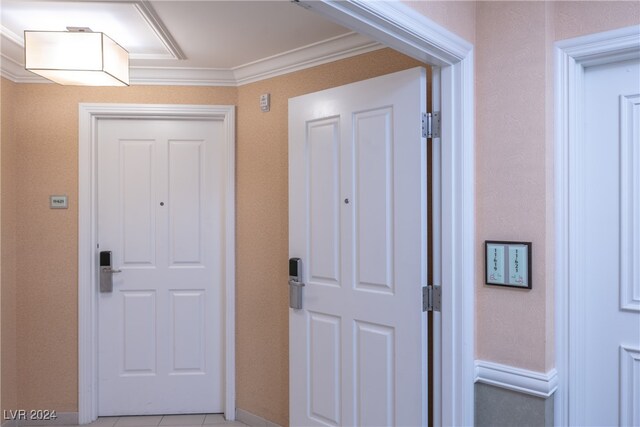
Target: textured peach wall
{"type": "Point", "coordinates": [458, 17]}
{"type": "Point", "coordinates": [8, 383]}
{"type": "Point", "coordinates": [578, 18]}
{"type": "Point", "coordinates": [514, 161]}
{"type": "Point", "coordinates": [262, 219]}
{"type": "Point", "coordinates": [511, 173]}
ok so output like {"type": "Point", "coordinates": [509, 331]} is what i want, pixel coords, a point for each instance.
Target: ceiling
{"type": "Point", "coordinates": [182, 42]}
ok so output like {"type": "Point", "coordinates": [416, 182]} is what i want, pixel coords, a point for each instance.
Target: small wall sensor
{"type": "Point", "coordinates": [265, 102]}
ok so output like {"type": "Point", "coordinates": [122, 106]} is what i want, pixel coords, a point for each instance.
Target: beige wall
{"type": "Point", "coordinates": [514, 158]}
{"type": "Point", "coordinates": [43, 161]}
{"type": "Point", "coordinates": [511, 176]}
{"type": "Point", "coordinates": [458, 17]}
{"type": "Point", "coordinates": [8, 384]}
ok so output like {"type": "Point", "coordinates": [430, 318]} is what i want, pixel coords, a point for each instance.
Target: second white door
{"type": "Point", "coordinates": [357, 219]}
{"type": "Point", "coordinates": [160, 212]}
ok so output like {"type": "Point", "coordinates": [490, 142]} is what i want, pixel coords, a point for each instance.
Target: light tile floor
{"type": "Point", "coordinates": [196, 420]}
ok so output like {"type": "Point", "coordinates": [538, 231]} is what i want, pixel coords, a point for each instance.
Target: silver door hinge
{"type": "Point", "coordinates": [431, 125]}
{"type": "Point", "coordinates": [431, 298]}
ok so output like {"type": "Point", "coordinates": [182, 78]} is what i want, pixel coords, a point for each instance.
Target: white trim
{"type": "Point", "coordinates": [87, 257]}
{"type": "Point", "coordinates": [571, 58]}
{"type": "Point", "coordinates": [396, 25]}
{"type": "Point", "coordinates": [521, 380]}
{"type": "Point", "coordinates": [333, 49]}
{"type": "Point", "coordinates": [150, 16]}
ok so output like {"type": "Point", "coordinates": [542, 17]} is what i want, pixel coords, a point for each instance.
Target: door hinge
{"type": "Point", "coordinates": [431, 125]}
{"type": "Point", "coordinates": [431, 298]}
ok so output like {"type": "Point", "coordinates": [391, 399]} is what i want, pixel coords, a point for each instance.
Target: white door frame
{"type": "Point", "coordinates": [399, 27]}
{"type": "Point", "coordinates": [572, 57]}
{"type": "Point", "coordinates": [89, 114]}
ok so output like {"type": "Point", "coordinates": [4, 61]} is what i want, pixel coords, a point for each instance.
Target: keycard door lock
{"type": "Point", "coordinates": [106, 272]}
{"type": "Point", "coordinates": [295, 283]}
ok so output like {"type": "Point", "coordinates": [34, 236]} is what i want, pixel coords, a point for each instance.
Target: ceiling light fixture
{"type": "Point", "coordinates": [76, 57]}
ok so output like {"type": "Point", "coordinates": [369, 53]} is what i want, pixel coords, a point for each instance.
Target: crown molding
{"type": "Point", "coordinates": [333, 49]}
{"type": "Point", "coordinates": [175, 76]}
{"type": "Point", "coordinates": [12, 70]}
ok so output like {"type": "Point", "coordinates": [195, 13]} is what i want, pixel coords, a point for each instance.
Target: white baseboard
{"type": "Point", "coordinates": [62, 419]}
{"type": "Point", "coordinates": [252, 420]}
{"type": "Point", "coordinates": [521, 380]}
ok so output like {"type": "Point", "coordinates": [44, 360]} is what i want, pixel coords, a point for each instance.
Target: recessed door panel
{"type": "Point", "coordinates": [324, 200]}
{"type": "Point", "coordinates": [629, 386]}
{"type": "Point", "coordinates": [630, 202]}
{"type": "Point", "coordinates": [188, 332]}
{"type": "Point", "coordinates": [185, 196]}
{"type": "Point", "coordinates": [374, 374]}
{"type": "Point", "coordinates": [325, 368]}
{"type": "Point", "coordinates": [373, 147]}
{"type": "Point", "coordinates": [140, 330]}
{"type": "Point", "coordinates": [138, 213]}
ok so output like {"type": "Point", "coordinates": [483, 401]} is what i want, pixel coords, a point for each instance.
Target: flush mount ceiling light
{"type": "Point", "coordinates": [76, 57]}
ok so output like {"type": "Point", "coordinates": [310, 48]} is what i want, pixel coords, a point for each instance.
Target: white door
{"type": "Point", "coordinates": [605, 367]}
{"type": "Point", "coordinates": [160, 212]}
{"type": "Point", "coordinates": [357, 219]}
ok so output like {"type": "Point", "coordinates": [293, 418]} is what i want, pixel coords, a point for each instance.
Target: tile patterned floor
{"type": "Point", "coordinates": [196, 420]}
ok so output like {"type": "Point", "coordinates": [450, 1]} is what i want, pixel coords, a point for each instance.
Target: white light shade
{"type": "Point", "coordinates": [76, 58]}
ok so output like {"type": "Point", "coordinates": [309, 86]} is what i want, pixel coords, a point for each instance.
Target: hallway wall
{"type": "Point", "coordinates": [44, 161]}
{"type": "Point", "coordinates": [514, 153]}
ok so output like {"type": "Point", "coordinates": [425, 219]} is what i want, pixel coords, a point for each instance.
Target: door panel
{"type": "Point", "coordinates": [324, 184]}
{"type": "Point", "coordinates": [185, 196]}
{"type": "Point", "coordinates": [357, 197]}
{"type": "Point", "coordinates": [160, 212]}
{"type": "Point", "coordinates": [138, 214]}
{"type": "Point", "coordinates": [325, 372]}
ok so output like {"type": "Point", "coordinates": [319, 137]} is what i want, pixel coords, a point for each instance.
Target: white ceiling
{"type": "Point", "coordinates": [187, 42]}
